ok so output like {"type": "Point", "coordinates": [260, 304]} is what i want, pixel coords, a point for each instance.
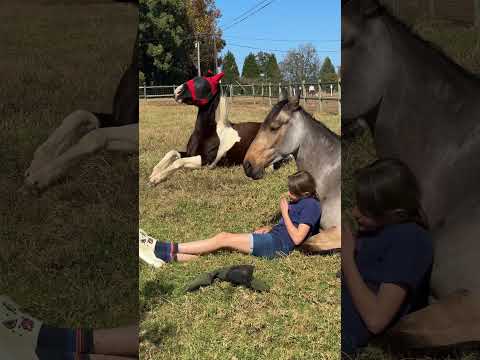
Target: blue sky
{"type": "Point", "coordinates": [298, 21]}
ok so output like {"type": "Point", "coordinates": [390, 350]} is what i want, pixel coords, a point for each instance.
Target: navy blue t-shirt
{"type": "Point", "coordinates": [400, 254]}
{"type": "Point", "coordinates": [307, 211]}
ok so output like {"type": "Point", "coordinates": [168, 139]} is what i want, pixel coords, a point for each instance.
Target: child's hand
{"type": "Point", "coordinates": [263, 230]}
{"type": "Point", "coordinates": [283, 206]}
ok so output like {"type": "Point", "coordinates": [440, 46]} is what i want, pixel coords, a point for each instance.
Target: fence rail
{"type": "Point", "coordinates": [321, 91]}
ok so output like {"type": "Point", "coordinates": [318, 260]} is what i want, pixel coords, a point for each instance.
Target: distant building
{"type": "Point", "coordinates": [461, 11]}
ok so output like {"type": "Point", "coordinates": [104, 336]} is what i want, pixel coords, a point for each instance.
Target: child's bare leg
{"type": "Point", "coordinates": [186, 257]}
{"type": "Point", "coordinates": [118, 341]}
{"type": "Point", "coordinates": [237, 242]}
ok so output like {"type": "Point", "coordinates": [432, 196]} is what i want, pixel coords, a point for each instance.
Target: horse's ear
{"type": "Point", "coordinates": [370, 7]}
{"type": "Point", "coordinates": [282, 95]}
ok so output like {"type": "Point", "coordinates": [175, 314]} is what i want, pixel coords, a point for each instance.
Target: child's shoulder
{"type": "Point", "coordinates": [409, 232]}
{"type": "Point", "coordinates": [310, 202]}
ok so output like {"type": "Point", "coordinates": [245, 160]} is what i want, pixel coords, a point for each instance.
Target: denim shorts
{"type": "Point", "coordinates": [265, 245]}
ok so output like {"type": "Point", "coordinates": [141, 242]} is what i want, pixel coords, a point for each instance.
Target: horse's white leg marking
{"type": "Point", "coordinates": [72, 129]}
{"type": "Point", "coordinates": [227, 135]}
{"type": "Point", "coordinates": [194, 162]}
{"type": "Point", "coordinates": [167, 160]}
{"type": "Point", "coordinates": [122, 138]}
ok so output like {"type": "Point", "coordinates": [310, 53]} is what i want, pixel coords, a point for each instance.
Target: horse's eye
{"type": "Point", "coordinates": [274, 126]}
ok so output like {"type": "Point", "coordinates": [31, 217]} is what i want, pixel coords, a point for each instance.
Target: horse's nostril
{"type": "Point", "coordinates": [247, 166]}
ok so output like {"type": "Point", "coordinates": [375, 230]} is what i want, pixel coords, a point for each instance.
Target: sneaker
{"type": "Point", "coordinates": [20, 329]}
{"type": "Point", "coordinates": [146, 250]}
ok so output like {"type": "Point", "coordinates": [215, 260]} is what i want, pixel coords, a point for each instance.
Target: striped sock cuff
{"type": "Point", "coordinates": [84, 341]}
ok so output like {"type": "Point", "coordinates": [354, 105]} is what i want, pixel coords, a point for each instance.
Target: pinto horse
{"type": "Point", "coordinates": [214, 140]}
{"type": "Point", "coordinates": [83, 133]}
{"type": "Point", "coordinates": [423, 109]}
{"type": "Point", "coordinates": [288, 129]}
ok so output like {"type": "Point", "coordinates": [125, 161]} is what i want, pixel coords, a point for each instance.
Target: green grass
{"type": "Point", "coordinates": [463, 45]}
{"type": "Point", "coordinates": [299, 318]}
{"type": "Point", "coordinates": [68, 256]}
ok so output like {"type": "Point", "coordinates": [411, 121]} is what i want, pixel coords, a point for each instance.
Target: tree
{"type": "Point", "coordinates": [302, 64]}
{"type": "Point", "coordinates": [167, 32]}
{"type": "Point", "coordinates": [268, 65]}
{"type": "Point", "coordinates": [272, 69]}
{"type": "Point", "coordinates": [164, 46]}
{"type": "Point", "coordinates": [250, 70]}
{"type": "Point", "coordinates": [203, 15]}
{"type": "Point", "coordinates": [327, 71]}
{"type": "Point", "coordinates": [230, 68]}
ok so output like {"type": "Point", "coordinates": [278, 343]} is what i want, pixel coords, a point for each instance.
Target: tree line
{"type": "Point", "coordinates": [169, 29]}
{"type": "Point", "coordinates": [302, 64]}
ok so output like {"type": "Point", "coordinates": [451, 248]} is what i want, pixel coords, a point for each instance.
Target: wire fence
{"type": "Point", "coordinates": [326, 95]}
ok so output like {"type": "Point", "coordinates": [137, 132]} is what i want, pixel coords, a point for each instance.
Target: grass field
{"type": "Point", "coordinates": [299, 318]}
{"type": "Point", "coordinates": [461, 44]}
{"type": "Point", "coordinates": [68, 256]}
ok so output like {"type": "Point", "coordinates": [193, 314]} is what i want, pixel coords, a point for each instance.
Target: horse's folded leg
{"type": "Point", "coordinates": [167, 160]}
{"type": "Point", "coordinates": [72, 129]}
{"type": "Point", "coordinates": [194, 162]}
{"type": "Point", "coordinates": [449, 322]}
{"type": "Point", "coordinates": [325, 241]}
{"type": "Point", "coordinates": [91, 143]}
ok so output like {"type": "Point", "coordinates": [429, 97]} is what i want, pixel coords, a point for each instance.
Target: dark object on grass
{"type": "Point", "coordinates": [237, 275]}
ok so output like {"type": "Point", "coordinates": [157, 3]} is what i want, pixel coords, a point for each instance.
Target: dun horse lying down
{"type": "Point", "coordinates": [288, 129]}
{"type": "Point", "coordinates": [214, 140]}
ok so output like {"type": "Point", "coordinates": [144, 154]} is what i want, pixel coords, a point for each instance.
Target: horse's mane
{"type": "Point", "coordinates": [275, 110]}
{"type": "Point", "coordinates": [320, 124]}
{"type": "Point", "coordinates": [428, 45]}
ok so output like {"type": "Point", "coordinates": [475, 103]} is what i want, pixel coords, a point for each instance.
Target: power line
{"type": "Point", "coordinates": [251, 9]}
{"type": "Point", "coordinates": [247, 16]}
{"type": "Point", "coordinates": [277, 50]}
{"type": "Point", "coordinates": [281, 40]}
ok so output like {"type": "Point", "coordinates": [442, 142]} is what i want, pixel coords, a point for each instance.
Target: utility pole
{"type": "Point", "coordinates": [197, 45]}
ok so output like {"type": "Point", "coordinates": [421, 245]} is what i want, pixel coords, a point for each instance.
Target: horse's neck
{"type": "Point", "coordinates": [319, 145]}
{"type": "Point", "coordinates": [429, 118]}
{"type": "Point", "coordinates": [427, 78]}
{"type": "Point", "coordinates": [206, 117]}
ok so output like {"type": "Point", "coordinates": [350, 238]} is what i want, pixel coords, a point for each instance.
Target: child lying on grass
{"type": "Point", "coordinates": [300, 219]}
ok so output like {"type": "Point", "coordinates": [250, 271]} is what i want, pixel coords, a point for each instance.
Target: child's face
{"type": "Point", "coordinates": [365, 223]}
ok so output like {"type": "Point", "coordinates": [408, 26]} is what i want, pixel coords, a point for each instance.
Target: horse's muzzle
{"type": "Point", "coordinates": [252, 172]}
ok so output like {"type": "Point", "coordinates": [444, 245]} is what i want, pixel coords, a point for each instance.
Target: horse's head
{"type": "Point", "coordinates": [277, 137]}
{"type": "Point", "coordinates": [366, 56]}
{"type": "Point", "coordinates": [198, 91]}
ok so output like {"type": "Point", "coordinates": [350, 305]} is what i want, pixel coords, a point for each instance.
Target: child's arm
{"type": "Point", "coordinates": [376, 310]}
{"type": "Point", "coordinates": [297, 234]}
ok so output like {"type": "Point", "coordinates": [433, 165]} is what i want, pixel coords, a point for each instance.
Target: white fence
{"type": "Point", "coordinates": [323, 93]}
